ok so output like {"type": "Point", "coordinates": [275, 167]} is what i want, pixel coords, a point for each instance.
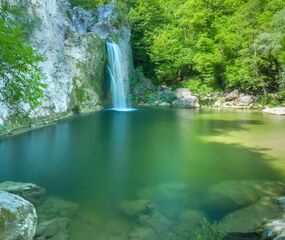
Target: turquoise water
{"type": "Point", "coordinates": [168, 156]}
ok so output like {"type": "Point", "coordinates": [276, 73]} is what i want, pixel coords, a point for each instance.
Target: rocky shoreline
{"type": "Point", "coordinates": [250, 210]}
{"type": "Point", "coordinates": [163, 98]}
{"type": "Point", "coordinates": [145, 93]}
{"type": "Point", "coordinates": [28, 213]}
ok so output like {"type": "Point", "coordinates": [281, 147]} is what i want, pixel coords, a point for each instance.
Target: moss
{"type": "Point", "coordinates": [5, 216]}
{"type": "Point", "coordinates": [79, 93]}
{"type": "Point", "coordinates": [89, 82]}
{"type": "Point", "coordinates": [97, 51]}
{"type": "Point", "coordinates": [210, 231]}
{"type": "Point", "coordinates": [19, 119]}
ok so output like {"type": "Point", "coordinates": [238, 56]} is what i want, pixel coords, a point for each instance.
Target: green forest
{"type": "Point", "coordinates": [203, 45]}
{"type": "Point", "coordinates": [210, 45]}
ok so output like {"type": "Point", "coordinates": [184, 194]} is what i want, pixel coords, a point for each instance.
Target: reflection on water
{"type": "Point", "coordinates": [150, 161]}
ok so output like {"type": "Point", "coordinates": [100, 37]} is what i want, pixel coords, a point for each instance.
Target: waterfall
{"type": "Point", "coordinates": [119, 70]}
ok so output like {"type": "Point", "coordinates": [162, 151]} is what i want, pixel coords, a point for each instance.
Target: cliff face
{"type": "Point", "coordinates": [75, 57]}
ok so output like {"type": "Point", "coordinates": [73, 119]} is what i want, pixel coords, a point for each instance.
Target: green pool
{"type": "Point", "coordinates": [112, 163]}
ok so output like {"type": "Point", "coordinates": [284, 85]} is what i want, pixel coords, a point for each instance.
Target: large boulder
{"type": "Point", "coordinates": [275, 229]}
{"type": "Point", "coordinates": [29, 191]}
{"type": "Point", "coordinates": [275, 111]}
{"type": "Point", "coordinates": [192, 102]}
{"type": "Point", "coordinates": [231, 195]}
{"type": "Point", "coordinates": [164, 104]}
{"type": "Point", "coordinates": [251, 218]}
{"type": "Point", "coordinates": [245, 100]}
{"type": "Point", "coordinates": [165, 94]}
{"type": "Point", "coordinates": [232, 95]}
{"type": "Point", "coordinates": [18, 218]}
{"type": "Point", "coordinates": [182, 93]}
{"type": "Point", "coordinates": [185, 99]}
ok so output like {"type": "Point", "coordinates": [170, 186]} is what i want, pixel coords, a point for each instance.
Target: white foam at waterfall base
{"type": "Point", "coordinates": [119, 70]}
{"type": "Point", "coordinates": [122, 109]}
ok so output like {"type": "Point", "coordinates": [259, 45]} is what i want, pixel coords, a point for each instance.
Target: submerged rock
{"type": "Point", "coordinates": [275, 111]}
{"type": "Point", "coordinates": [159, 224]}
{"type": "Point", "coordinates": [189, 223]}
{"type": "Point", "coordinates": [141, 233]}
{"type": "Point", "coordinates": [275, 229]}
{"type": "Point", "coordinates": [53, 229]}
{"type": "Point", "coordinates": [251, 218]}
{"type": "Point", "coordinates": [29, 191]}
{"type": "Point", "coordinates": [18, 218]}
{"type": "Point", "coordinates": [232, 195]}
{"type": "Point", "coordinates": [170, 198]}
{"type": "Point", "coordinates": [53, 207]}
{"type": "Point", "coordinates": [137, 207]}
{"type": "Point", "coordinates": [166, 191]}
{"type": "Point", "coordinates": [54, 217]}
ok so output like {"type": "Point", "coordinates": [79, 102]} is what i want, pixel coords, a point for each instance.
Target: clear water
{"type": "Point", "coordinates": [108, 157]}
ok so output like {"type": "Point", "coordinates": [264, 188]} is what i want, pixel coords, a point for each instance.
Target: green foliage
{"type": "Point", "coordinates": [226, 44]}
{"type": "Point", "coordinates": [93, 4]}
{"type": "Point", "coordinates": [210, 231]}
{"type": "Point", "coordinates": [19, 72]}
{"type": "Point", "coordinates": [282, 52]}
{"type": "Point", "coordinates": [196, 86]}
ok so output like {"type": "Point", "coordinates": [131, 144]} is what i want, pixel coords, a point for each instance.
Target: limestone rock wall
{"type": "Point", "coordinates": [74, 58]}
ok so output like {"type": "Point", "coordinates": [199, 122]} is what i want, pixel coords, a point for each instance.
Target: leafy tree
{"type": "Point", "coordinates": [19, 72]}
{"type": "Point", "coordinates": [146, 17]}
{"type": "Point", "coordinates": [219, 43]}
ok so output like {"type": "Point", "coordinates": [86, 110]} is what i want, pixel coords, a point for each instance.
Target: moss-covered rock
{"type": "Point", "coordinates": [87, 58]}
{"type": "Point", "coordinates": [135, 208]}
{"type": "Point", "coordinates": [29, 191]}
{"type": "Point", "coordinates": [251, 218]}
{"type": "Point", "coordinates": [189, 223]}
{"type": "Point", "coordinates": [18, 218]}
{"type": "Point", "coordinates": [232, 195]}
{"type": "Point", "coordinates": [53, 207]}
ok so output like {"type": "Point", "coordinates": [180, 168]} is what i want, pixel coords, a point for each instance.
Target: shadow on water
{"type": "Point", "coordinates": [222, 126]}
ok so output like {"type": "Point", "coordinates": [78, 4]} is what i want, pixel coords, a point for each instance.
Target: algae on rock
{"type": "Point", "coordinates": [87, 58]}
